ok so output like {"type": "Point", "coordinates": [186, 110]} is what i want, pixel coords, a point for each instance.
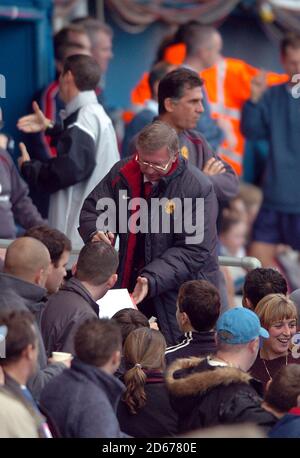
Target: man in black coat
{"type": "Point", "coordinates": [76, 302]}
{"type": "Point", "coordinates": [171, 238]}
{"type": "Point", "coordinates": [217, 389]}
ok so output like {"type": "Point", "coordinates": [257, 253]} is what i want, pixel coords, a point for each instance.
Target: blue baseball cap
{"type": "Point", "coordinates": [239, 325]}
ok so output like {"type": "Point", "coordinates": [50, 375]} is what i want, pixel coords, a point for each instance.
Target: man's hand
{"type": "Point", "coordinates": [36, 122]}
{"type": "Point", "coordinates": [66, 362]}
{"type": "Point", "coordinates": [141, 290]}
{"type": "Point", "coordinates": [213, 167]}
{"type": "Point", "coordinates": [107, 237]}
{"type": "Point", "coordinates": [24, 155]}
{"type": "Point", "coordinates": [258, 86]}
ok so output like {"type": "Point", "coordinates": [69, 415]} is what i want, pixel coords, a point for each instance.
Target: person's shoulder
{"type": "Point", "coordinates": [193, 136]}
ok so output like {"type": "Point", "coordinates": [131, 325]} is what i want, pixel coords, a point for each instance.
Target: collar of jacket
{"type": "Point", "coordinates": [194, 382]}
{"type": "Point", "coordinates": [295, 411]}
{"type": "Point", "coordinates": [82, 99]}
{"type": "Point", "coordinates": [74, 285]}
{"type": "Point", "coordinates": [34, 296]}
{"type": "Point", "coordinates": [131, 172]}
{"type": "Point", "coordinates": [112, 386]}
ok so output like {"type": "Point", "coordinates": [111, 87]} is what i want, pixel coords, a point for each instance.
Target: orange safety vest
{"type": "Point", "coordinates": [228, 86]}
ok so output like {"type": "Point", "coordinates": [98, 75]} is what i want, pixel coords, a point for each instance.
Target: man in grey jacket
{"type": "Point", "coordinates": [83, 400]}
{"type": "Point", "coordinates": [75, 302]}
{"type": "Point", "coordinates": [26, 266]}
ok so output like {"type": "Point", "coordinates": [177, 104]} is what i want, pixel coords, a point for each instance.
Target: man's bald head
{"type": "Point", "coordinates": [29, 259]}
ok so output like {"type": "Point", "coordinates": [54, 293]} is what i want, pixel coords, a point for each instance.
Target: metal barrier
{"type": "Point", "coordinates": [247, 262]}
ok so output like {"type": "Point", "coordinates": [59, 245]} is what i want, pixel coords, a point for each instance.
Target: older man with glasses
{"type": "Point", "coordinates": [155, 259]}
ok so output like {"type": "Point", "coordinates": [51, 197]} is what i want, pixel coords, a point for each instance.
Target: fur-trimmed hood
{"type": "Point", "coordinates": [193, 376]}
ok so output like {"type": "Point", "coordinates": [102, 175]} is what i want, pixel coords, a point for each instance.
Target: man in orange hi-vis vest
{"type": "Point", "coordinates": [227, 84]}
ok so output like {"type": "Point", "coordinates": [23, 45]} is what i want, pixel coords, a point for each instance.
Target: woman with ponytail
{"type": "Point", "coordinates": [145, 410]}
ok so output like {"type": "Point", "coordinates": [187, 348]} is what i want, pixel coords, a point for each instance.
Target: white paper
{"type": "Point", "coordinates": [113, 301]}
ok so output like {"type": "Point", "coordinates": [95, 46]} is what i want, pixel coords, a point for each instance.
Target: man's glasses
{"type": "Point", "coordinates": [159, 168]}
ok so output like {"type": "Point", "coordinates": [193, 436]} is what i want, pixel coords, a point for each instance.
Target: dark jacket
{"type": "Point", "coordinates": [192, 344]}
{"type": "Point", "coordinates": [83, 402]}
{"type": "Point", "coordinates": [288, 426]}
{"type": "Point", "coordinates": [275, 118]}
{"type": "Point", "coordinates": [205, 395]}
{"type": "Point", "coordinates": [15, 204]}
{"type": "Point", "coordinates": [169, 258]}
{"type": "Point", "coordinates": [157, 418]}
{"type": "Point", "coordinates": [17, 294]}
{"type": "Point", "coordinates": [64, 313]}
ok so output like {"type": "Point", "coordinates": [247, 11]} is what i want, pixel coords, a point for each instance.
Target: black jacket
{"type": "Point", "coordinates": [83, 402]}
{"type": "Point", "coordinates": [157, 418]}
{"type": "Point", "coordinates": [17, 294]}
{"type": "Point", "coordinates": [192, 344]}
{"type": "Point", "coordinates": [64, 313]}
{"type": "Point", "coordinates": [205, 395]}
{"type": "Point", "coordinates": [169, 258]}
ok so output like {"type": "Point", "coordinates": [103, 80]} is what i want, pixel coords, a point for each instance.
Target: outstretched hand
{"type": "Point", "coordinates": [141, 290]}
{"type": "Point", "coordinates": [35, 122]}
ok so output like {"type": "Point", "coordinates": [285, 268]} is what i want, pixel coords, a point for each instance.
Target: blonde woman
{"type": "Point", "coordinates": [278, 315]}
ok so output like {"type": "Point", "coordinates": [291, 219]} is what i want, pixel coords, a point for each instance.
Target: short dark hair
{"type": "Point", "coordinates": [284, 388]}
{"type": "Point", "coordinates": [61, 40]}
{"type": "Point", "coordinates": [290, 40]}
{"type": "Point", "coordinates": [128, 320]}
{"type": "Point", "coordinates": [56, 241]}
{"type": "Point", "coordinates": [20, 334]}
{"type": "Point", "coordinates": [200, 300]}
{"type": "Point", "coordinates": [194, 35]}
{"type": "Point", "coordinates": [96, 340]}
{"type": "Point", "coordinates": [175, 83]}
{"type": "Point", "coordinates": [97, 261]}
{"type": "Point", "coordinates": [262, 281]}
{"type": "Point", "coordinates": [157, 72]}
{"type": "Point", "coordinates": [85, 70]}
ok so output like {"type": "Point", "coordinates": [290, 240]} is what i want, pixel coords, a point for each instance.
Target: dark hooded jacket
{"type": "Point", "coordinates": [17, 294]}
{"type": "Point", "coordinates": [205, 395]}
{"type": "Point", "coordinates": [65, 311]}
{"type": "Point", "coordinates": [169, 259]}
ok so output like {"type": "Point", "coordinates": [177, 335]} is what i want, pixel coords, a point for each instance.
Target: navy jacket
{"type": "Point", "coordinates": [276, 118]}
{"type": "Point", "coordinates": [83, 401]}
{"type": "Point", "coordinates": [192, 344]}
{"type": "Point", "coordinates": [288, 426]}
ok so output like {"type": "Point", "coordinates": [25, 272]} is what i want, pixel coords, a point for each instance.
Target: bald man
{"type": "Point", "coordinates": [26, 266]}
